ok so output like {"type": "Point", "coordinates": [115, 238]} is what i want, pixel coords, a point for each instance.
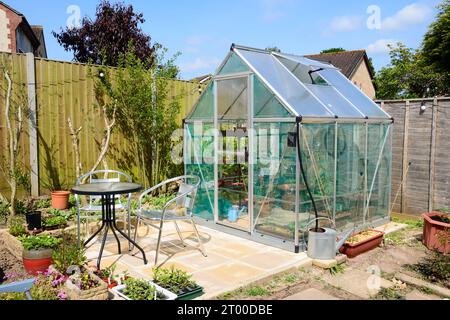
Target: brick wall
{"type": "Point", "coordinates": [9, 21]}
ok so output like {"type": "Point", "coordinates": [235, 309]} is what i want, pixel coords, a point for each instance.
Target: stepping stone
{"type": "Point", "coordinates": [417, 295]}
{"type": "Point", "coordinates": [311, 294]}
{"type": "Point", "coordinates": [358, 283]}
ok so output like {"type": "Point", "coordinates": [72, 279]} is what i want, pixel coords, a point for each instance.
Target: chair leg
{"type": "Point", "coordinates": [179, 233]}
{"type": "Point", "coordinates": [136, 229]}
{"type": "Point", "coordinates": [202, 247]}
{"type": "Point", "coordinates": [79, 228]}
{"type": "Point", "coordinates": [158, 246]}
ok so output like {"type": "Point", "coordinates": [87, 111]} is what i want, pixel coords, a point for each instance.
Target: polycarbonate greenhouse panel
{"type": "Point", "coordinates": [199, 156]}
{"type": "Point", "coordinates": [352, 93]}
{"type": "Point", "coordinates": [305, 61]}
{"type": "Point", "coordinates": [266, 104]}
{"type": "Point", "coordinates": [285, 84]}
{"type": "Point", "coordinates": [334, 101]}
{"type": "Point", "coordinates": [204, 109]}
{"type": "Point", "coordinates": [233, 65]}
{"type": "Point", "coordinates": [274, 180]}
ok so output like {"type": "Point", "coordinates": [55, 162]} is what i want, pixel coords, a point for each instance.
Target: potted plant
{"type": "Point", "coordinates": [37, 252]}
{"type": "Point", "coordinates": [136, 289]}
{"type": "Point", "coordinates": [110, 278]}
{"type": "Point", "coordinates": [178, 282]}
{"type": "Point", "coordinates": [60, 200]}
{"type": "Point", "coordinates": [362, 242]}
{"type": "Point", "coordinates": [85, 285]}
{"type": "Point", "coordinates": [33, 216]}
{"type": "Point", "coordinates": [54, 223]}
{"type": "Point", "coordinates": [436, 231]}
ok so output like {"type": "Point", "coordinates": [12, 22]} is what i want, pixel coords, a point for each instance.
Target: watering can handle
{"type": "Point", "coordinates": [314, 220]}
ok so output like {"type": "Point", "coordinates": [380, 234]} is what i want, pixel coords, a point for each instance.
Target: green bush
{"type": "Point", "coordinates": [43, 204]}
{"type": "Point", "coordinates": [42, 241]}
{"type": "Point", "coordinates": [4, 212]}
{"type": "Point", "coordinates": [16, 226]}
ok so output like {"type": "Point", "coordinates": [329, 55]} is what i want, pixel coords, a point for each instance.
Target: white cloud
{"type": "Point", "coordinates": [200, 64]}
{"type": "Point", "coordinates": [273, 10]}
{"type": "Point", "coordinates": [346, 23]}
{"type": "Point", "coordinates": [410, 15]}
{"type": "Point", "coordinates": [381, 46]}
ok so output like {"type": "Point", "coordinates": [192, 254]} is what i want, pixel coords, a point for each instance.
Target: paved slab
{"type": "Point", "coordinates": [232, 262]}
{"type": "Point", "coordinates": [311, 294]}
{"type": "Point", "coordinates": [417, 295]}
{"type": "Point", "coordinates": [391, 227]}
{"type": "Point", "coordinates": [358, 283]}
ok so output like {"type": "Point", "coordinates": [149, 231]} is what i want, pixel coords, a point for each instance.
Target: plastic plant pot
{"type": "Point", "coordinates": [60, 200]}
{"type": "Point", "coordinates": [37, 261]}
{"type": "Point", "coordinates": [436, 234]}
{"type": "Point", "coordinates": [353, 250]}
{"type": "Point", "coordinates": [34, 221]}
{"type": "Point", "coordinates": [190, 294]}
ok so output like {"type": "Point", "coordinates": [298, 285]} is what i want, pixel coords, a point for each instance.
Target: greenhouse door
{"type": "Point", "coordinates": [232, 121]}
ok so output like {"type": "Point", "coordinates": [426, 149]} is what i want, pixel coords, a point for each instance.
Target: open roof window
{"type": "Point", "coordinates": [308, 74]}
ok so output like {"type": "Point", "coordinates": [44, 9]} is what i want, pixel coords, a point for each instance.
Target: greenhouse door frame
{"type": "Point", "coordinates": [250, 123]}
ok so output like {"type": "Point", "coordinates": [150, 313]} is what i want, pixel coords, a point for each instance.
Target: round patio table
{"type": "Point", "coordinates": [108, 192]}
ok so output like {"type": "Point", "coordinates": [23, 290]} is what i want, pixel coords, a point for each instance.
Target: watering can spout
{"type": "Point", "coordinates": [344, 238]}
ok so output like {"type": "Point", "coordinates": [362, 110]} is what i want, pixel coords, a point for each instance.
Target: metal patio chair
{"type": "Point", "coordinates": [94, 206]}
{"type": "Point", "coordinates": [183, 203]}
{"type": "Point", "coordinates": [19, 287]}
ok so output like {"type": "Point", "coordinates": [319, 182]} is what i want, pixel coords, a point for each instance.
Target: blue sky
{"type": "Point", "coordinates": [204, 30]}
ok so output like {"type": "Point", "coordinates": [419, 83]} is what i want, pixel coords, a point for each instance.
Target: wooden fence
{"type": "Point", "coordinates": [62, 90]}
{"type": "Point", "coordinates": [421, 154]}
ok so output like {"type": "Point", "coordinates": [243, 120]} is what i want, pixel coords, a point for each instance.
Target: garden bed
{"type": "Point", "coordinates": [9, 264]}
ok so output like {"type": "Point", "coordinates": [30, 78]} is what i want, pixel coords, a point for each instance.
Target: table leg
{"type": "Point", "coordinates": [102, 247]}
{"type": "Point", "coordinates": [128, 238]}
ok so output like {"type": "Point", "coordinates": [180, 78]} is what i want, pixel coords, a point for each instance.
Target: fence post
{"type": "Point", "coordinates": [433, 155]}
{"type": "Point", "coordinates": [31, 87]}
{"type": "Point", "coordinates": [405, 158]}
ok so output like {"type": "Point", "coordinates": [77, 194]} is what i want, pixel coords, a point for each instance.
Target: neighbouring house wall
{"type": "Point", "coordinates": [362, 79]}
{"type": "Point", "coordinates": [5, 40]}
{"type": "Point", "coordinates": [421, 155]}
{"type": "Point", "coordinates": [13, 22]}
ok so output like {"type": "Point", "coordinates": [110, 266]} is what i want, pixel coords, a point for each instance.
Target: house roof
{"type": "Point", "coordinates": [347, 61]}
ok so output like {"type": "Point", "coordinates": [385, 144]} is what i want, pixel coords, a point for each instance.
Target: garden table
{"type": "Point", "coordinates": [108, 192]}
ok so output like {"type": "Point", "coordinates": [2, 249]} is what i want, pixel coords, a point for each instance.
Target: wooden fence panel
{"type": "Point", "coordinates": [421, 155]}
{"type": "Point", "coordinates": [63, 90]}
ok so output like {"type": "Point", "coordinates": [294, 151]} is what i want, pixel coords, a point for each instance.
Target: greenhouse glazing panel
{"type": "Point", "coordinates": [358, 98]}
{"type": "Point", "coordinates": [317, 147]}
{"type": "Point", "coordinates": [274, 180]}
{"type": "Point", "coordinates": [204, 109]}
{"type": "Point", "coordinates": [286, 84]}
{"type": "Point", "coordinates": [350, 175]}
{"type": "Point", "coordinates": [379, 171]}
{"type": "Point", "coordinates": [234, 65]}
{"type": "Point", "coordinates": [334, 101]}
{"type": "Point", "coordinates": [266, 105]}
{"type": "Point", "coordinates": [199, 161]}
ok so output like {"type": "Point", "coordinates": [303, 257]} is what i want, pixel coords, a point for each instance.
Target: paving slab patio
{"type": "Point", "coordinates": [232, 262]}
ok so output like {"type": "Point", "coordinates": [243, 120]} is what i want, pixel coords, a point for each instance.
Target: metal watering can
{"type": "Point", "coordinates": [234, 213]}
{"type": "Point", "coordinates": [324, 245]}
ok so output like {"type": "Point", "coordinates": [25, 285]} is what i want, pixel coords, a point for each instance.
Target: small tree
{"type": "Point", "coordinates": [104, 39]}
{"type": "Point", "coordinates": [145, 114]}
{"type": "Point", "coordinates": [15, 113]}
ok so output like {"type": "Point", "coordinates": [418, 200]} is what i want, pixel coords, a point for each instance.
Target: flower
{"type": "Point", "coordinates": [62, 295]}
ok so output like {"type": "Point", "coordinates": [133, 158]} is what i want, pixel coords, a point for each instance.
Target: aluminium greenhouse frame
{"type": "Point", "coordinates": [296, 118]}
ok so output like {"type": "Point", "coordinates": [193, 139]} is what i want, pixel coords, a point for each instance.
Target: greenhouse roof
{"type": "Point", "coordinates": [309, 88]}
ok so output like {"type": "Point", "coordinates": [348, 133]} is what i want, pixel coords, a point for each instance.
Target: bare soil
{"type": "Point", "coordinates": [9, 264]}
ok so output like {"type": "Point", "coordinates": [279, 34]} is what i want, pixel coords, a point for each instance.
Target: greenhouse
{"type": "Point", "coordinates": [277, 140]}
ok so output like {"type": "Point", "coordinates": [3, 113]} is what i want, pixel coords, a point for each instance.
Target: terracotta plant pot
{"type": "Point", "coordinates": [60, 200]}
{"type": "Point", "coordinates": [353, 250]}
{"type": "Point", "coordinates": [37, 261]}
{"type": "Point", "coordinates": [436, 234]}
